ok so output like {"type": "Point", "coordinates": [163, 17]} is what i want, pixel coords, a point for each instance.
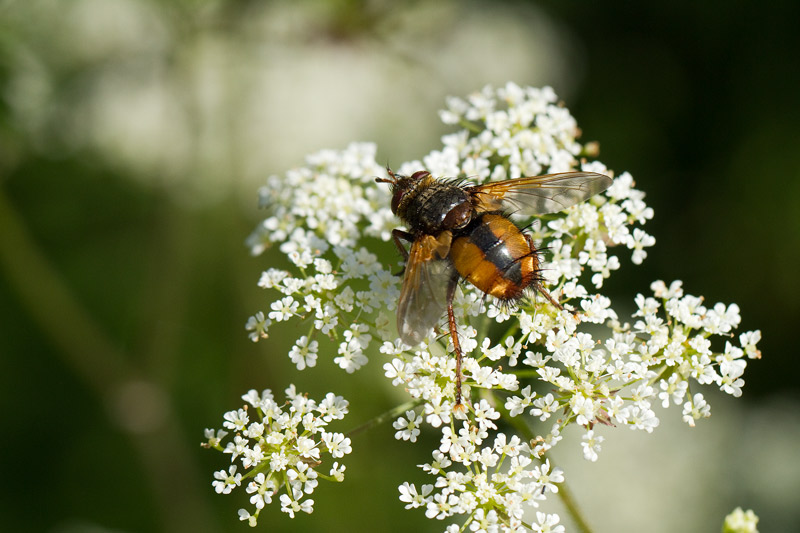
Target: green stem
{"type": "Point", "coordinates": [470, 126]}
{"type": "Point", "coordinates": [92, 355]}
{"type": "Point", "coordinates": [525, 373]}
{"type": "Point", "coordinates": [44, 294]}
{"type": "Point", "coordinates": [383, 417]}
{"type": "Point", "coordinates": [568, 499]}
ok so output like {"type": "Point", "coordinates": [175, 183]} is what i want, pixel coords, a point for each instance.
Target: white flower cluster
{"type": "Point", "coordinates": [513, 132]}
{"type": "Point", "coordinates": [499, 480]}
{"type": "Point", "coordinates": [321, 215]}
{"type": "Point", "coordinates": [280, 445]}
{"type": "Point", "coordinates": [581, 365]}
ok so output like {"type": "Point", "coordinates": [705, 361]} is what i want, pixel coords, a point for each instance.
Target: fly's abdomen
{"type": "Point", "coordinates": [495, 256]}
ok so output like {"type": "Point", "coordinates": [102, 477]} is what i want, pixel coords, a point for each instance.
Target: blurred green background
{"type": "Point", "coordinates": [134, 135]}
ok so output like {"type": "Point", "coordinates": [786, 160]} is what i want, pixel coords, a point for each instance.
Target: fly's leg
{"type": "Point", "coordinates": [549, 297]}
{"type": "Point", "coordinates": [451, 321]}
{"type": "Point", "coordinates": [398, 236]}
{"type": "Point", "coordinates": [538, 283]}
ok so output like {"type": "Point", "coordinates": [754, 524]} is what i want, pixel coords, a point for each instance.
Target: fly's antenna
{"type": "Point", "coordinates": [391, 179]}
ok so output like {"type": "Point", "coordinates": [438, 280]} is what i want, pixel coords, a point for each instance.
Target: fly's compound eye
{"type": "Point", "coordinates": [398, 195]}
{"type": "Point", "coordinates": [419, 174]}
{"type": "Point", "coordinates": [403, 184]}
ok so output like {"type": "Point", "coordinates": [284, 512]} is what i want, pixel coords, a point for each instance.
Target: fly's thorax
{"type": "Point", "coordinates": [431, 206]}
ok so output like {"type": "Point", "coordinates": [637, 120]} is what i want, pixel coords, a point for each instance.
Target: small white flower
{"type": "Point", "coordinates": [591, 445]}
{"type": "Point", "coordinates": [292, 506]}
{"type": "Point", "coordinates": [674, 388]}
{"type": "Point", "coordinates": [722, 319]}
{"type": "Point", "coordinates": [749, 340]}
{"type": "Point", "coordinates": [302, 477]}
{"type": "Point", "coordinates": [407, 427]}
{"type": "Point", "coordinates": [278, 461]}
{"type": "Point", "coordinates": [244, 514]}
{"type": "Point", "coordinates": [584, 409]}
{"type": "Point", "coordinates": [441, 506]}
{"type": "Point", "coordinates": [304, 353]}
{"type": "Point", "coordinates": [485, 415]}
{"type": "Point", "coordinates": [272, 278]}
{"type": "Point", "coordinates": [236, 420]}
{"type": "Point", "coordinates": [226, 481]}
{"type": "Point", "coordinates": [258, 325]}
{"type": "Point", "coordinates": [660, 289]}
{"type": "Point", "coordinates": [545, 406]}
{"type": "Point", "coordinates": [252, 456]}
{"type": "Point", "coordinates": [358, 333]}
{"type": "Point", "coordinates": [307, 448]}
{"type": "Point", "coordinates": [412, 498]}
{"type": "Point", "coordinates": [283, 309]}
{"type": "Point", "coordinates": [642, 417]}
{"type": "Point", "coordinates": [396, 370]}
{"type": "Point", "coordinates": [638, 210]}
{"type": "Point", "coordinates": [547, 523]}
{"type": "Point", "coordinates": [516, 405]}
{"type": "Point", "coordinates": [351, 356]}
{"type": "Point", "coordinates": [621, 187]}
{"type": "Point", "coordinates": [337, 472]}
{"type": "Point", "coordinates": [262, 490]}
{"type": "Point", "coordinates": [337, 444]}
{"type": "Point", "coordinates": [696, 409]}
{"type": "Point", "coordinates": [327, 318]}
{"type": "Point", "coordinates": [213, 439]}
{"type": "Point", "coordinates": [333, 407]}
{"type": "Point", "coordinates": [437, 412]}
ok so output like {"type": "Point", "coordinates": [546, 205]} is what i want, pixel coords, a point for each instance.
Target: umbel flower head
{"type": "Point", "coordinates": [580, 365]}
{"type": "Point", "coordinates": [281, 446]}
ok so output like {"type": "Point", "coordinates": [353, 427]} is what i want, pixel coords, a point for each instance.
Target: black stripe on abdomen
{"type": "Point", "coordinates": [496, 251]}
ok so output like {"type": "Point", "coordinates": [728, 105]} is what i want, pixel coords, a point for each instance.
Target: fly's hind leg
{"type": "Point", "coordinates": [537, 284]}
{"type": "Point", "coordinates": [549, 297]}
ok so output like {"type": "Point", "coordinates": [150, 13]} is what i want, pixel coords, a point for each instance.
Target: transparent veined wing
{"type": "Point", "coordinates": [539, 195]}
{"type": "Point", "coordinates": [423, 298]}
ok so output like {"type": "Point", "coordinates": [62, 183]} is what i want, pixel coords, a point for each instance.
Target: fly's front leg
{"type": "Point", "coordinates": [398, 236]}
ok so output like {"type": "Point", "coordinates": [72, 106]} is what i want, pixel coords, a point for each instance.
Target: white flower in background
{"type": "Point", "coordinates": [740, 521]}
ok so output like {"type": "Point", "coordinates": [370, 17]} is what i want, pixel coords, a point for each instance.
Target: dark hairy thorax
{"type": "Point", "coordinates": [431, 206]}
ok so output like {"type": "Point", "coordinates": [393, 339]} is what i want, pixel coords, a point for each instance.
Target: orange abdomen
{"type": "Point", "coordinates": [495, 256]}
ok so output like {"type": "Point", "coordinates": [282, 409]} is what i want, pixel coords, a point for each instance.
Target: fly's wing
{"type": "Point", "coordinates": [423, 298]}
{"type": "Point", "coordinates": [539, 195]}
